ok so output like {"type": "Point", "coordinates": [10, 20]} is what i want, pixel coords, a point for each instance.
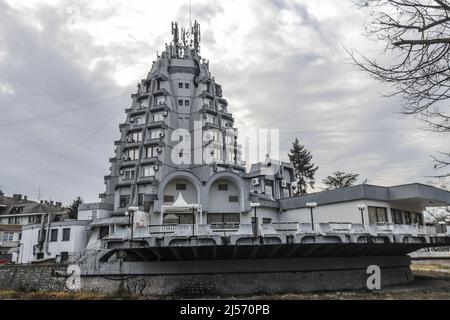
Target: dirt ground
{"type": "Point", "coordinates": [432, 282]}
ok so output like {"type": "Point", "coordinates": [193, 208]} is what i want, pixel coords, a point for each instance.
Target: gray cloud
{"type": "Point", "coordinates": [60, 114]}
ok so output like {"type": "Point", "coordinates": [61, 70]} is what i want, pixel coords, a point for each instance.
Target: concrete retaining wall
{"type": "Point", "coordinates": [51, 278]}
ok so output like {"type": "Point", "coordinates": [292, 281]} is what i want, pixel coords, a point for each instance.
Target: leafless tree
{"type": "Point", "coordinates": [417, 37]}
{"type": "Point", "coordinates": [440, 213]}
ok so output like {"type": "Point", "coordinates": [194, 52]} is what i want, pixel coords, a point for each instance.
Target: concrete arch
{"type": "Point", "coordinates": [238, 180]}
{"type": "Point", "coordinates": [189, 176]}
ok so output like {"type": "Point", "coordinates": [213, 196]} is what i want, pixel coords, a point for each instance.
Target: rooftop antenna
{"type": "Point", "coordinates": [190, 13]}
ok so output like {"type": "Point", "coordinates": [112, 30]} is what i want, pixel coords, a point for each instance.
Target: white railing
{"type": "Point", "coordinates": [162, 229]}
{"type": "Point", "coordinates": [282, 228]}
{"type": "Point", "coordinates": [286, 227]}
{"type": "Point", "coordinates": [227, 226]}
{"type": "Point", "coordinates": [345, 227]}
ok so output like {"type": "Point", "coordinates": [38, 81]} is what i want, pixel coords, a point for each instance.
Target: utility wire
{"type": "Point", "coordinates": [7, 125]}
{"type": "Point", "coordinates": [75, 147]}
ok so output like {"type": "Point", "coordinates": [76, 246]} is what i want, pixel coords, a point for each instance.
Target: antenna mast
{"type": "Point", "coordinates": [190, 13]}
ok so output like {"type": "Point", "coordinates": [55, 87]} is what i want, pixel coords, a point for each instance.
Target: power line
{"type": "Point", "coordinates": [351, 131]}
{"type": "Point", "coordinates": [6, 125]}
{"type": "Point", "coordinates": [97, 130]}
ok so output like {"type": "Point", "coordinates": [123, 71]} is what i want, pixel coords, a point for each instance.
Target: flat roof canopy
{"type": "Point", "coordinates": [414, 194]}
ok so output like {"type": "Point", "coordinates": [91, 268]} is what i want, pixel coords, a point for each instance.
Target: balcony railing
{"type": "Point", "coordinates": [278, 229]}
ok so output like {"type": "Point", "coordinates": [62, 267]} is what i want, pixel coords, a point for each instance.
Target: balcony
{"type": "Point", "coordinates": [142, 95]}
{"type": "Point", "coordinates": [226, 116]}
{"type": "Point", "coordinates": [137, 112]}
{"type": "Point", "coordinates": [157, 125]}
{"type": "Point", "coordinates": [160, 107]}
{"type": "Point", "coordinates": [161, 92]}
{"type": "Point", "coordinates": [207, 109]}
{"type": "Point", "coordinates": [208, 125]}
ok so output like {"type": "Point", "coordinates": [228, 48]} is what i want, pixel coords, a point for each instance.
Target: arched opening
{"type": "Point", "coordinates": [224, 204]}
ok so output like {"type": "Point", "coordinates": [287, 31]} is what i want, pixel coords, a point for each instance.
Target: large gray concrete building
{"type": "Point", "coordinates": [179, 200]}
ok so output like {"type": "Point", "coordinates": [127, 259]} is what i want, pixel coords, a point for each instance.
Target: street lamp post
{"type": "Point", "coordinates": [193, 221]}
{"type": "Point", "coordinates": [311, 206]}
{"type": "Point", "coordinates": [361, 208]}
{"type": "Point", "coordinates": [255, 205]}
{"type": "Point", "coordinates": [130, 212]}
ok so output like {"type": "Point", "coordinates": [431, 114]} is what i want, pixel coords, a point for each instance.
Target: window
{"type": "Point", "coordinates": [124, 200]}
{"type": "Point", "coordinates": [133, 154]}
{"type": "Point", "coordinates": [179, 218]}
{"type": "Point", "coordinates": [11, 220]}
{"type": "Point", "coordinates": [138, 120]}
{"type": "Point", "coordinates": [103, 232]}
{"type": "Point", "coordinates": [377, 214]}
{"type": "Point", "coordinates": [186, 85]}
{"type": "Point", "coordinates": [216, 153]}
{"type": "Point", "coordinates": [180, 187]}
{"type": "Point", "coordinates": [8, 236]}
{"type": "Point", "coordinates": [210, 119]}
{"type": "Point", "coordinates": [407, 217]}
{"type": "Point", "coordinates": [155, 134]}
{"type": "Point", "coordinates": [180, 102]}
{"type": "Point", "coordinates": [140, 199]}
{"type": "Point", "coordinates": [223, 218]}
{"type": "Point", "coordinates": [286, 192]}
{"type": "Point", "coordinates": [31, 219]}
{"type": "Point", "coordinates": [396, 216]}
{"type": "Point", "coordinates": [135, 137]}
{"type": "Point", "coordinates": [186, 103]}
{"type": "Point", "coordinates": [158, 117]}
{"type": "Point", "coordinates": [94, 214]}
{"type": "Point", "coordinates": [229, 140]}
{"type": "Point", "coordinates": [17, 220]}
{"type": "Point", "coordinates": [266, 221]}
{"type": "Point", "coordinates": [40, 256]}
{"type": "Point", "coordinates": [151, 152]}
{"type": "Point", "coordinates": [419, 218]}
{"type": "Point", "coordinates": [223, 187]}
{"type": "Point", "coordinates": [54, 235]}
{"type": "Point", "coordinates": [231, 156]}
{"type": "Point", "coordinates": [269, 187]}
{"type": "Point", "coordinates": [233, 199]}
{"type": "Point", "coordinates": [160, 100]}
{"type": "Point", "coordinates": [148, 171]}
{"type": "Point", "coordinates": [66, 234]}
{"type": "Point", "coordinates": [129, 174]}
{"type": "Point", "coordinates": [169, 199]}
{"type": "Point", "coordinates": [180, 85]}
{"type": "Point", "coordinates": [208, 103]}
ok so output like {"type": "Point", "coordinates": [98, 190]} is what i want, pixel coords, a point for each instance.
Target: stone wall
{"type": "Point", "coordinates": [51, 278]}
{"type": "Point", "coordinates": [32, 278]}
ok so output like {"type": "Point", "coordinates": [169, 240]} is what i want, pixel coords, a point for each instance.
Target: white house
{"type": "Point", "coordinates": [63, 239]}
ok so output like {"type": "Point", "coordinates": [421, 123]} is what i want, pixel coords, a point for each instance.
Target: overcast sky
{"type": "Point", "coordinates": [67, 69]}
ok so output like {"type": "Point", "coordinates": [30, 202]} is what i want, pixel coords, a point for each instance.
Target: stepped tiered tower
{"type": "Point", "coordinates": [179, 101]}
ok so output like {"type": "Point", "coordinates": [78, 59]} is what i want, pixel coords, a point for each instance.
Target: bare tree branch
{"type": "Point", "coordinates": [417, 38]}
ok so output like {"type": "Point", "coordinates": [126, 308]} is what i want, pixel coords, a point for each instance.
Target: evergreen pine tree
{"type": "Point", "coordinates": [304, 168]}
{"type": "Point", "coordinates": [340, 180]}
{"type": "Point", "coordinates": [74, 207]}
